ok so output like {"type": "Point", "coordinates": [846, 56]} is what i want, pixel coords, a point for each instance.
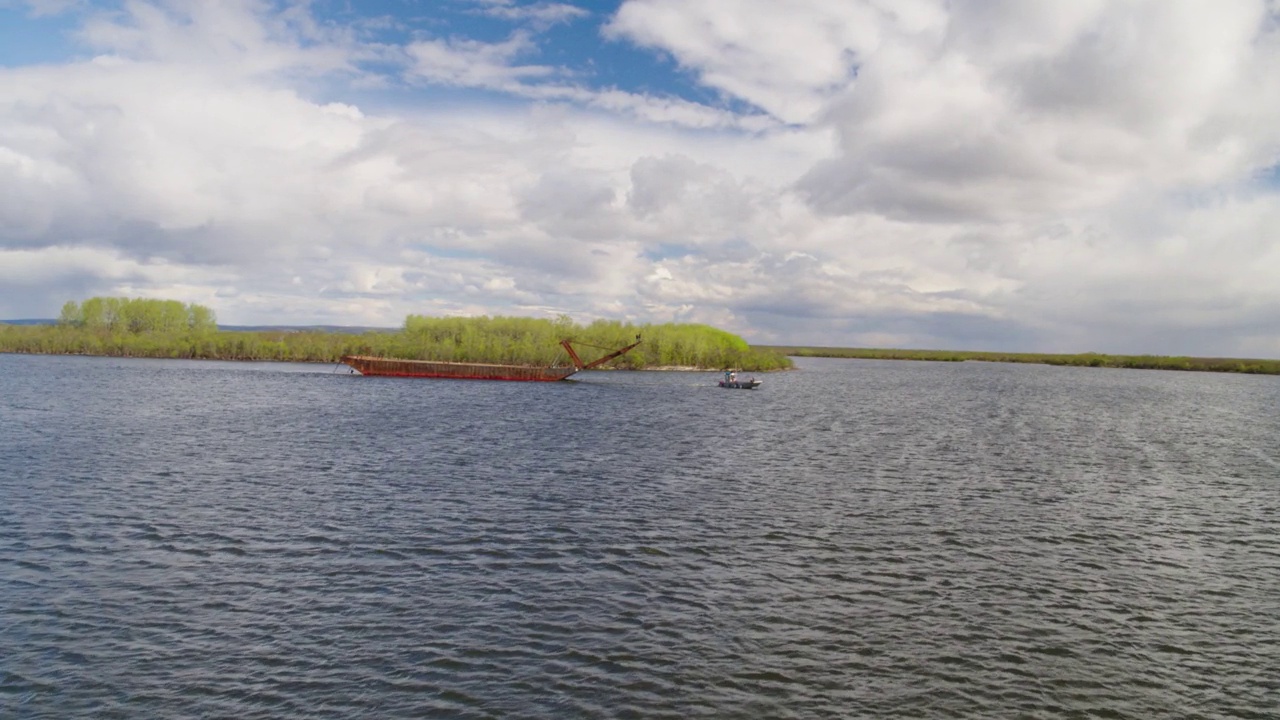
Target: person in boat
{"type": "Point", "coordinates": [727, 376]}
{"type": "Point", "coordinates": [733, 377]}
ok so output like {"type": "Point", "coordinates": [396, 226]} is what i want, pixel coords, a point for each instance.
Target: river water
{"type": "Point", "coordinates": [854, 539]}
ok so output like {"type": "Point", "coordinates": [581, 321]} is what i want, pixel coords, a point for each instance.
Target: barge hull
{"type": "Point", "coordinates": [455, 370]}
{"type": "Point", "coordinates": [394, 367]}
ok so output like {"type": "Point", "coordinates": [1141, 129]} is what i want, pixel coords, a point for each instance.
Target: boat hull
{"type": "Point", "coordinates": [741, 384]}
{"type": "Point", "coordinates": [390, 367]}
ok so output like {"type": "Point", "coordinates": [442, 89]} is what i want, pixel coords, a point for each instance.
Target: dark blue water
{"type": "Point", "coordinates": [854, 539]}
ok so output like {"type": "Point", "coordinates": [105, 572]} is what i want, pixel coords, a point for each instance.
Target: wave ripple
{"type": "Point", "coordinates": [859, 539]}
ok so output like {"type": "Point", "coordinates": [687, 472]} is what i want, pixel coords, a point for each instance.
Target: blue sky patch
{"type": "Point", "coordinates": [1271, 177]}
{"type": "Point", "coordinates": [28, 40]}
{"type": "Point", "coordinates": [573, 44]}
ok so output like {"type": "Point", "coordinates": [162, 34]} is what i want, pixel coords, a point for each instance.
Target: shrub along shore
{"type": "Point", "coordinates": [1146, 362]}
{"type": "Point", "coordinates": [124, 327]}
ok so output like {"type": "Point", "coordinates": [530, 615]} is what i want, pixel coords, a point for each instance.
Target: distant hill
{"type": "Point", "coordinates": [29, 321]}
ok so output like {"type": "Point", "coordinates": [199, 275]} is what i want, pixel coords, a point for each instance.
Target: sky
{"type": "Point", "coordinates": [1058, 176]}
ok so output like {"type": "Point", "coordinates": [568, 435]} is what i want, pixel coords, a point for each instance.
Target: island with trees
{"type": "Point", "coordinates": [138, 327]}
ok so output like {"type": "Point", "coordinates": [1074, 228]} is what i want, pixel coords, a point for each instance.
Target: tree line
{"type": "Point", "coordinates": [1143, 362]}
{"type": "Point", "coordinates": [137, 315]}
{"type": "Point", "coordinates": [168, 329]}
{"type": "Point", "coordinates": [139, 327]}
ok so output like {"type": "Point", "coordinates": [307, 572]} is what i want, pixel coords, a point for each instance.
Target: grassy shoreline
{"type": "Point", "coordinates": [148, 328]}
{"type": "Point", "coordinates": [1143, 362]}
{"type": "Point", "coordinates": [468, 340]}
{"type": "Point", "coordinates": [607, 367]}
{"type": "Point", "coordinates": [325, 348]}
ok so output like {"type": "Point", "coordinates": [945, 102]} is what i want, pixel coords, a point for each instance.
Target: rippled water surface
{"type": "Point", "coordinates": [854, 539]}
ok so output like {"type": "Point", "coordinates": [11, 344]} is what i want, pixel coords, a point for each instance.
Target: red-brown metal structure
{"type": "Point", "coordinates": [477, 371]}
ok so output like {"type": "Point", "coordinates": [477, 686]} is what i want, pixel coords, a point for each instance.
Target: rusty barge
{"type": "Point", "coordinates": [393, 367]}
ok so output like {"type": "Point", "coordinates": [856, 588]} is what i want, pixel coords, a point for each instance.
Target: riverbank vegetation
{"type": "Point", "coordinates": [168, 329]}
{"type": "Point", "coordinates": [1148, 362]}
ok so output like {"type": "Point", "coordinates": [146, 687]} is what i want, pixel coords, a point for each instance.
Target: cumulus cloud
{"type": "Point", "coordinates": [786, 58]}
{"type": "Point", "coordinates": [1056, 112]}
{"type": "Point", "coordinates": [1063, 176]}
{"type": "Point", "coordinates": [1080, 168]}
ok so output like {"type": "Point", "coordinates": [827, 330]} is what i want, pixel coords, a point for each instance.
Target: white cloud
{"type": "Point", "coordinates": [935, 127]}
{"type": "Point", "coordinates": [540, 14]}
{"type": "Point", "coordinates": [243, 36]}
{"type": "Point", "coordinates": [497, 66]}
{"type": "Point", "coordinates": [1065, 176]}
{"type": "Point", "coordinates": [472, 63]}
{"type": "Point", "coordinates": [786, 58]}
{"type": "Point", "coordinates": [44, 8]}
